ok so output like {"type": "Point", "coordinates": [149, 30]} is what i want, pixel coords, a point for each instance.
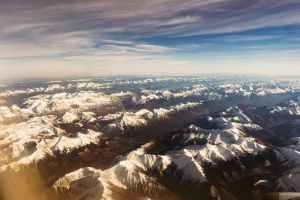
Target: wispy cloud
{"type": "Point", "coordinates": [238, 38]}
{"type": "Point", "coordinates": [113, 30]}
{"type": "Point", "coordinates": [150, 18]}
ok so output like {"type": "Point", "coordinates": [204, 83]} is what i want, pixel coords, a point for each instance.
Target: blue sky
{"type": "Point", "coordinates": [40, 38]}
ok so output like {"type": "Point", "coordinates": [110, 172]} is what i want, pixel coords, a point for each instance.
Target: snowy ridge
{"type": "Point", "coordinates": [79, 136]}
{"type": "Point", "coordinates": [233, 120]}
{"type": "Point", "coordinates": [11, 115]}
{"type": "Point", "coordinates": [9, 93]}
{"type": "Point", "coordinates": [39, 135]}
{"type": "Point", "coordinates": [83, 183]}
{"type": "Point", "coordinates": [142, 117]}
{"type": "Point", "coordinates": [220, 144]}
{"type": "Point", "coordinates": [160, 165]}
{"type": "Point", "coordinates": [94, 184]}
{"type": "Point", "coordinates": [127, 176]}
{"type": "Point", "coordinates": [287, 156]}
{"type": "Point", "coordinates": [61, 102]}
{"type": "Point", "coordinates": [290, 180]}
{"type": "Point", "coordinates": [65, 101]}
{"type": "Point", "coordinates": [68, 117]}
{"type": "Point", "coordinates": [54, 87]}
{"type": "Point", "coordinates": [291, 108]}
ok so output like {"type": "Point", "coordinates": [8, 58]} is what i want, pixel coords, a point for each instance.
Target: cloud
{"type": "Point", "coordinates": [135, 48]}
{"type": "Point", "coordinates": [150, 18]}
{"type": "Point", "coordinates": [72, 33]}
{"type": "Point", "coordinates": [238, 38]}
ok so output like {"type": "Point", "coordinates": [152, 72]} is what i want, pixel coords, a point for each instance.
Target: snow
{"type": "Point", "coordinates": [67, 144]}
{"type": "Point", "coordinates": [161, 113]}
{"type": "Point", "coordinates": [41, 131]}
{"type": "Point", "coordinates": [10, 93]}
{"type": "Point", "coordinates": [54, 87]}
{"type": "Point", "coordinates": [69, 117]}
{"type": "Point", "coordinates": [288, 156]}
{"type": "Point", "coordinates": [144, 161]}
{"type": "Point", "coordinates": [143, 116]}
{"type": "Point", "coordinates": [5, 113]}
{"type": "Point", "coordinates": [83, 183]}
{"type": "Point", "coordinates": [292, 108]}
{"type": "Point", "coordinates": [221, 144]}
{"type": "Point", "coordinates": [186, 162]}
{"type": "Point", "coordinates": [47, 147]}
{"type": "Point", "coordinates": [137, 170]}
{"type": "Point", "coordinates": [219, 120]}
{"type": "Point", "coordinates": [262, 182]}
{"type": "Point", "coordinates": [46, 103]}
{"type": "Point", "coordinates": [127, 176]}
{"type": "Point", "coordinates": [87, 115]}
{"type": "Point", "coordinates": [131, 119]}
{"type": "Point", "coordinates": [12, 115]}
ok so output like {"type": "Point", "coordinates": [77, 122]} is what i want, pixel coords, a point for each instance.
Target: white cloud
{"type": "Point", "coordinates": [108, 33]}
{"type": "Point", "coordinates": [150, 18]}
{"type": "Point", "coordinates": [239, 38]}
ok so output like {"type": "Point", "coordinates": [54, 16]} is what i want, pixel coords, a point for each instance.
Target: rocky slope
{"type": "Point", "coordinates": [89, 139]}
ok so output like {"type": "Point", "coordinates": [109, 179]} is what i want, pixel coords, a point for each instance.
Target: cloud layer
{"type": "Point", "coordinates": [106, 32]}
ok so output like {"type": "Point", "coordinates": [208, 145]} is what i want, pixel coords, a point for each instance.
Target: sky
{"type": "Point", "coordinates": [73, 38]}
